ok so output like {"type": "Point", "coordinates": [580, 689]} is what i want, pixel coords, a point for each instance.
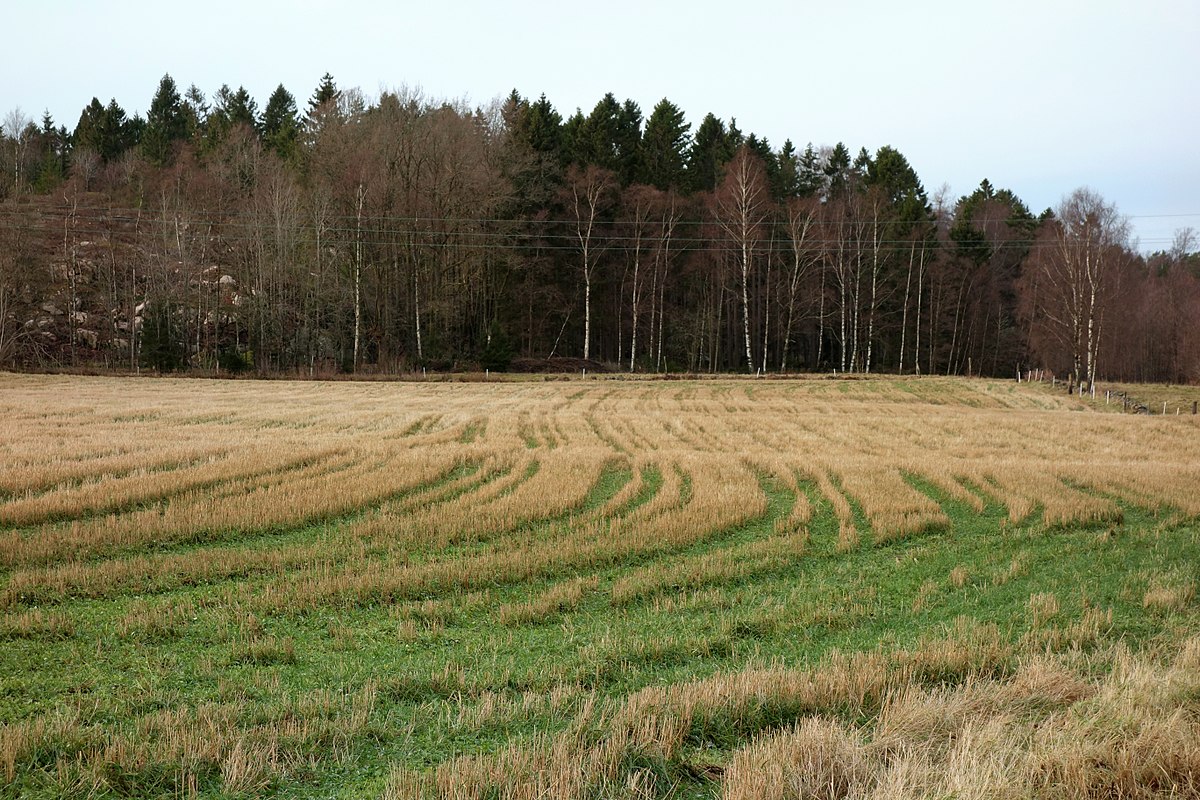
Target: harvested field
{"type": "Point", "coordinates": [595, 589]}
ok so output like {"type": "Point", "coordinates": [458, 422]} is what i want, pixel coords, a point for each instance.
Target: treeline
{"type": "Point", "coordinates": [394, 233]}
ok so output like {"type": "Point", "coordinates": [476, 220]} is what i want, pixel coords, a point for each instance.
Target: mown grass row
{"type": "Point", "coordinates": [642, 591]}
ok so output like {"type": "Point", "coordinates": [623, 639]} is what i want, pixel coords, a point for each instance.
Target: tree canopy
{"type": "Point", "coordinates": [391, 232]}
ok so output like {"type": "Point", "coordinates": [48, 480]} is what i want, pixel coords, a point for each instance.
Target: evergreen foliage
{"type": "Point", "coordinates": [664, 147]}
{"type": "Point", "coordinates": [712, 148]}
{"type": "Point", "coordinates": [280, 124]}
{"type": "Point", "coordinates": [162, 346]}
{"type": "Point", "coordinates": [837, 170]}
{"type": "Point", "coordinates": [166, 123]}
{"type": "Point", "coordinates": [393, 231]}
{"type": "Point", "coordinates": [497, 354]}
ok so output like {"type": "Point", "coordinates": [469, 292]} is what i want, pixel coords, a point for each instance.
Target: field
{"type": "Point", "coordinates": [595, 589]}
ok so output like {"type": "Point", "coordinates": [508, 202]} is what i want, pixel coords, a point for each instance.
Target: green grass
{"type": "Point", "coordinates": [359, 685]}
{"type": "Point", "coordinates": [437, 663]}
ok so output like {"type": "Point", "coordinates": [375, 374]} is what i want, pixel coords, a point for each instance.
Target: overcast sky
{"type": "Point", "coordinates": [1039, 97]}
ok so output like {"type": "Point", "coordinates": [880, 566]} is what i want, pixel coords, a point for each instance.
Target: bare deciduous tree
{"type": "Point", "coordinates": [86, 165]}
{"type": "Point", "coordinates": [589, 194]}
{"type": "Point", "coordinates": [1075, 270]}
{"type": "Point", "coordinates": [16, 127]}
{"type": "Point", "coordinates": [742, 206]}
{"type": "Point", "coordinates": [805, 255]}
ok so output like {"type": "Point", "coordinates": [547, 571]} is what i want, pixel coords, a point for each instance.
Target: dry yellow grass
{"type": "Point", "coordinates": [1169, 595]}
{"type": "Point", "coordinates": [1046, 729]}
{"type": "Point", "coordinates": [222, 508]}
{"type": "Point", "coordinates": [262, 456]}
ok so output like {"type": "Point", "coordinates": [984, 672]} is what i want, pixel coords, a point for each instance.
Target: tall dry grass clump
{"type": "Point", "coordinates": [818, 758]}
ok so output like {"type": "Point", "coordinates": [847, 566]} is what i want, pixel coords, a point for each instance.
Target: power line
{"type": "Point", "coordinates": [131, 213]}
{"type": "Point", "coordinates": [465, 232]}
{"type": "Point", "coordinates": [135, 215]}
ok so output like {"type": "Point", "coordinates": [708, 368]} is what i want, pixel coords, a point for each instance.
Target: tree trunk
{"type": "Point", "coordinates": [904, 314]}
{"type": "Point", "coordinates": [358, 265]}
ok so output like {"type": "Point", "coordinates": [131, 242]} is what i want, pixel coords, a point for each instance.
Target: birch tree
{"type": "Point", "coordinates": [1075, 269]}
{"type": "Point", "coordinates": [589, 194]}
{"type": "Point", "coordinates": [742, 205]}
{"type": "Point", "coordinates": [803, 255]}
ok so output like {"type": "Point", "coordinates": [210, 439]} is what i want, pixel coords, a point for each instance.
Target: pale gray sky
{"type": "Point", "coordinates": [1039, 97]}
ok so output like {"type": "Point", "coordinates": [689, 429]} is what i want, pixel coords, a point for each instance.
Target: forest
{"type": "Point", "coordinates": [391, 234]}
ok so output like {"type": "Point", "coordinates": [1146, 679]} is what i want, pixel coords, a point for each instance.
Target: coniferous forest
{"type": "Point", "coordinates": [344, 233]}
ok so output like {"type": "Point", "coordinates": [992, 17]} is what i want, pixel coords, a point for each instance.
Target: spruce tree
{"type": "Point", "coordinates": [538, 156]}
{"type": "Point", "coordinates": [810, 178]}
{"type": "Point", "coordinates": [543, 128]}
{"type": "Point", "coordinates": [195, 112]}
{"type": "Point", "coordinates": [969, 238]}
{"type": "Point", "coordinates": [165, 123]}
{"type": "Point", "coordinates": [119, 133]}
{"type": "Point", "coordinates": [51, 166]}
{"type": "Point", "coordinates": [664, 146]}
{"type": "Point", "coordinates": [628, 143]}
{"type": "Point", "coordinates": [89, 130]}
{"type": "Point", "coordinates": [789, 170]}
{"type": "Point", "coordinates": [709, 152]}
{"type": "Point", "coordinates": [596, 140]}
{"type": "Point", "coordinates": [280, 124]}
{"type": "Point", "coordinates": [837, 170]}
{"type": "Point", "coordinates": [242, 110]}
{"type": "Point", "coordinates": [572, 135]}
{"type": "Point", "coordinates": [326, 92]}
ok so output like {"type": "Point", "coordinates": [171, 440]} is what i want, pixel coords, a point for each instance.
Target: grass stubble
{"type": "Point", "coordinates": [878, 589]}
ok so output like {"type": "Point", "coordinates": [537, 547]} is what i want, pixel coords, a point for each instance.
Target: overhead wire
{"type": "Point", "coordinates": [244, 226]}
